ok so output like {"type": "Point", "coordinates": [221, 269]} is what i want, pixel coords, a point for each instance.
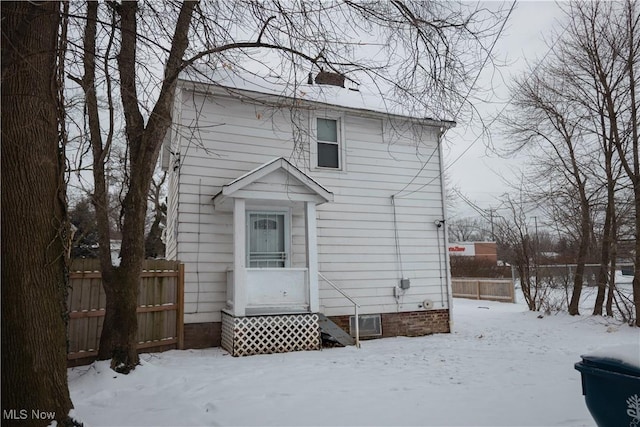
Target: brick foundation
{"type": "Point", "coordinates": [409, 324]}
{"type": "Point", "coordinates": [202, 335]}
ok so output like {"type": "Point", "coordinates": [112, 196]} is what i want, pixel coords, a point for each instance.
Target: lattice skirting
{"type": "Point", "coordinates": [244, 336]}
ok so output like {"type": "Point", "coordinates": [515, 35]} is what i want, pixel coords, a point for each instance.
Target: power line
{"type": "Point", "coordinates": [472, 205]}
{"type": "Point", "coordinates": [475, 80]}
{"type": "Point", "coordinates": [504, 107]}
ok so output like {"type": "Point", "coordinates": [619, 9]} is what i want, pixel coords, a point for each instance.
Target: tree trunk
{"type": "Point", "coordinates": [34, 226]}
{"type": "Point", "coordinates": [578, 278]}
{"type": "Point", "coordinates": [603, 280]}
{"type": "Point", "coordinates": [612, 271]}
{"type": "Point", "coordinates": [634, 172]}
{"type": "Point", "coordinates": [574, 304]}
{"type": "Point", "coordinates": [607, 239]}
{"type": "Point", "coordinates": [118, 341]}
{"type": "Point", "coordinates": [524, 270]}
{"type": "Point", "coordinates": [119, 334]}
{"type": "Point", "coordinates": [636, 275]}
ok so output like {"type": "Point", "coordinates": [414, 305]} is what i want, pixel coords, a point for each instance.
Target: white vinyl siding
{"type": "Point", "coordinates": [356, 238]}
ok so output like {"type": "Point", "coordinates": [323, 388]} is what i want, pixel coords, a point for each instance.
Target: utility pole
{"type": "Point", "coordinates": [537, 248]}
{"type": "Point", "coordinates": [493, 234]}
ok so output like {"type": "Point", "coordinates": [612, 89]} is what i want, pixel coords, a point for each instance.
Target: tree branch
{"type": "Point", "coordinates": [127, 67]}
{"type": "Point", "coordinates": [264, 27]}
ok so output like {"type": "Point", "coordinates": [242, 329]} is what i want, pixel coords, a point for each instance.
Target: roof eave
{"type": "Point", "coordinates": [275, 99]}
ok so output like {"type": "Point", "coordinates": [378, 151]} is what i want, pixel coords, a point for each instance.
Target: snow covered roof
{"type": "Point", "coordinates": [272, 88]}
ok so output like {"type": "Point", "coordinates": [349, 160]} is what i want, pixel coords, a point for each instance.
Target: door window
{"type": "Point", "coordinates": [267, 246]}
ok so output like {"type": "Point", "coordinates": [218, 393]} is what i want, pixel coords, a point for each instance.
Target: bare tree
{"type": "Point", "coordinates": [546, 122]}
{"type": "Point", "coordinates": [586, 88]}
{"type": "Point", "coordinates": [514, 236]}
{"type": "Point", "coordinates": [582, 88]}
{"type": "Point", "coordinates": [608, 36]}
{"type": "Point", "coordinates": [432, 52]}
{"type": "Point", "coordinates": [469, 230]}
{"type": "Point", "coordinates": [34, 225]}
{"type": "Point", "coordinates": [118, 341]}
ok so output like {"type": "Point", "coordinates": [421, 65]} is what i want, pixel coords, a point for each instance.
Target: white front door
{"type": "Point", "coordinates": [267, 240]}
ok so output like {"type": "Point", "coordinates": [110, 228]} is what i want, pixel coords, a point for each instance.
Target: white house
{"type": "Point", "coordinates": [280, 205]}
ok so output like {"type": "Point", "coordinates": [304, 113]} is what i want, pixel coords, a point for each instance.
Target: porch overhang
{"type": "Point", "coordinates": [257, 291]}
{"type": "Point", "coordinates": [277, 180]}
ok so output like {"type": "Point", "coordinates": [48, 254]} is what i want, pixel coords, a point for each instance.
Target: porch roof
{"type": "Point", "coordinates": [277, 179]}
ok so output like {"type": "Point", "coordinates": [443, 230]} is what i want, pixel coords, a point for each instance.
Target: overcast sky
{"type": "Point", "coordinates": [477, 172]}
{"type": "Point", "coordinates": [471, 168]}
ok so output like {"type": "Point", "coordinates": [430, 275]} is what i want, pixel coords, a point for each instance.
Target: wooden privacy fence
{"type": "Point", "coordinates": [160, 307]}
{"type": "Point", "coordinates": [484, 289]}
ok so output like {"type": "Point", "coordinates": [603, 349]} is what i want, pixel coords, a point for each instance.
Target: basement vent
{"type": "Point", "coordinates": [370, 325]}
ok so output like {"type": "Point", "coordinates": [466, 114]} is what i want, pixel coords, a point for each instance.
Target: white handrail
{"type": "Point", "coordinates": [355, 305]}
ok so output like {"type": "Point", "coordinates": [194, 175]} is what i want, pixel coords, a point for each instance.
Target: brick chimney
{"type": "Point", "coordinates": [328, 78]}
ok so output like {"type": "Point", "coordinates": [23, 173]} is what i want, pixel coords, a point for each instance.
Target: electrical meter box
{"type": "Point", "coordinates": [405, 283]}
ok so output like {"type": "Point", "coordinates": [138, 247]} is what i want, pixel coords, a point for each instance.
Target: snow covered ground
{"type": "Point", "coordinates": [502, 366]}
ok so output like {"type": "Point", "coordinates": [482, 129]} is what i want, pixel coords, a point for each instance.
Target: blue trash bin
{"type": "Point", "coordinates": [611, 387]}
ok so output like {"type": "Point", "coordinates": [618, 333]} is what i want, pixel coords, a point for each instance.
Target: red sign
{"type": "Point", "coordinates": [462, 249]}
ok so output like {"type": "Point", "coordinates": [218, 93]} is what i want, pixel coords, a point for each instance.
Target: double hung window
{"type": "Point", "coordinates": [328, 139]}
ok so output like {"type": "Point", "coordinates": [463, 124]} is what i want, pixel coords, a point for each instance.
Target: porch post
{"type": "Point", "coordinates": [312, 255]}
{"type": "Point", "coordinates": [239, 258]}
